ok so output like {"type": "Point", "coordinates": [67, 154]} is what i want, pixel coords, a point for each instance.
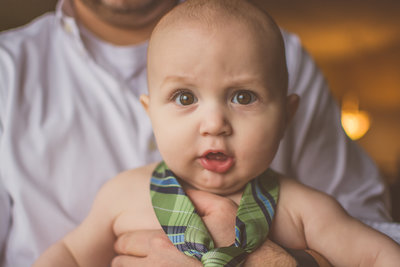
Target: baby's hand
{"type": "Point", "coordinates": [218, 214]}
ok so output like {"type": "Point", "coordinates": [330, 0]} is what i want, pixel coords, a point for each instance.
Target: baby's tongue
{"type": "Point", "coordinates": [216, 156]}
{"type": "Point", "coordinates": [217, 162]}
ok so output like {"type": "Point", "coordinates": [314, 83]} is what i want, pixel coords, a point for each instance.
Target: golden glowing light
{"type": "Point", "coordinates": [355, 122]}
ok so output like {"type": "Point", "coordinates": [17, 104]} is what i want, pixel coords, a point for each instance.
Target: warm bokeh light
{"type": "Point", "coordinates": [357, 46]}
{"type": "Point", "coordinates": [355, 122]}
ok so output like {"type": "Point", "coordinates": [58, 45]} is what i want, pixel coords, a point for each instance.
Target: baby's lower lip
{"type": "Point", "coordinates": [217, 163]}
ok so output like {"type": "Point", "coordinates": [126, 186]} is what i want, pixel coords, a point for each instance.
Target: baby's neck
{"type": "Point", "coordinates": [235, 197]}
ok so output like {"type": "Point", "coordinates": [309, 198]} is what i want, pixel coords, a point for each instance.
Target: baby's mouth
{"type": "Point", "coordinates": [216, 161]}
{"type": "Point", "coordinates": [216, 156]}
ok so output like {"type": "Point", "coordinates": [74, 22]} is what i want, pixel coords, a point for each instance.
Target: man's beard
{"type": "Point", "coordinates": [134, 14]}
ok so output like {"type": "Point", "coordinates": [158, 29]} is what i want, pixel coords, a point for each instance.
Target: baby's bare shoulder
{"type": "Point", "coordinates": [133, 201]}
{"type": "Point", "coordinates": [135, 176]}
{"type": "Point", "coordinates": [301, 198]}
{"type": "Point", "coordinates": [130, 181]}
{"type": "Point", "coordinates": [299, 209]}
{"type": "Point", "coordinates": [126, 188]}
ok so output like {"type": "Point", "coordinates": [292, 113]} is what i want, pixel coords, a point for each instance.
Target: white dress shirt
{"type": "Point", "coordinates": [70, 119]}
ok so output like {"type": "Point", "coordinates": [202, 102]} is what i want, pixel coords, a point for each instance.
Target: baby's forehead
{"type": "Point", "coordinates": [217, 15]}
{"type": "Point", "coordinates": [247, 23]}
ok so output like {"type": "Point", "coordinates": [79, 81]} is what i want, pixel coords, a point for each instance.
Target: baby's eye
{"type": "Point", "coordinates": [243, 98]}
{"type": "Point", "coordinates": [185, 98]}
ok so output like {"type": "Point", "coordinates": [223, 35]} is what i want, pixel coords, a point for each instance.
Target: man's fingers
{"type": "Point", "coordinates": [149, 248]}
{"type": "Point", "coordinates": [125, 261]}
{"type": "Point", "coordinates": [138, 243]}
{"type": "Point", "coordinates": [157, 258]}
{"type": "Point", "coordinates": [132, 261]}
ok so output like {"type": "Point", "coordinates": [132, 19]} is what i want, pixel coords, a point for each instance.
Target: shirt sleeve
{"type": "Point", "coordinates": [5, 218]}
{"type": "Point", "coordinates": [5, 203]}
{"type": "Point", "coordinates": [317, 152]}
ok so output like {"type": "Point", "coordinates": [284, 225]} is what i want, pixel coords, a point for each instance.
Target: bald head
{"type": "Point", "coordinates": [214, 13]}
{"type": "Point", "coordinates": [216, 16]}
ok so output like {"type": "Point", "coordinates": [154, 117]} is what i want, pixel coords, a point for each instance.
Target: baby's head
{"type": "Point", "coordinates": [214, 18]}
{"type": "Point", "coordinates": [218, 92]}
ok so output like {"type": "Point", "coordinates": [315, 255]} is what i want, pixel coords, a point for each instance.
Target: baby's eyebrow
{"type": "Point", "coordinates": [232, 81]}
{"type": "Point", "coordinates": [179, 78]}
{"type": "Point", "coordinates": [243, 79]}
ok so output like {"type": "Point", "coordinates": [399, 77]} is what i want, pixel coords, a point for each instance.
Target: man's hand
{"type": "Point", "coordinates": [153, 248]}
{"type": "Point", "coordinates": [149, 248]}
{"type": "Point", "coordinates": [275, 255]}
{"type": "Point", "coordinates": [272, 255]}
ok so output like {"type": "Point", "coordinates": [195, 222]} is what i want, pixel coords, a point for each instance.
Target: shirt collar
{"type": "Point", "coordinates": [65, 8]}
{"type": "Point", "coordinates": [66, 15]}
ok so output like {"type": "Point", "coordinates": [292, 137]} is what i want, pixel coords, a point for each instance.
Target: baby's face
{"type": "Point", "coordinates": [217, 109]}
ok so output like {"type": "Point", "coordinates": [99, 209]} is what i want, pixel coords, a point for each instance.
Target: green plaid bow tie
{"type": "Point", "coordinates": [186, 230]}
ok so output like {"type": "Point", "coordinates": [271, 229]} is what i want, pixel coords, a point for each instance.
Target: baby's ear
{"type": "Point", "coordinates": [292, 103]}
{"type": "Point", "coordinates": [144, 100]}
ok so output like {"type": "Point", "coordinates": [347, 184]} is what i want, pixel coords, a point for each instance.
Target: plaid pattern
{"type": "Point", "coordinates": [187, 231]}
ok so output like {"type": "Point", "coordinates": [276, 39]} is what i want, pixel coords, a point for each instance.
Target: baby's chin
{"type": "Point", "coordinates": [222, 190]}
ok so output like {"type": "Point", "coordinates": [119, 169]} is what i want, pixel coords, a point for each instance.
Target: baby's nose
{"type": "Point", "coordinates": [215, 122]}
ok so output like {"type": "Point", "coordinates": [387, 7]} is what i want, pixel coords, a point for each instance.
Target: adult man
{"type": "Point", "coordinates": [70, 119]}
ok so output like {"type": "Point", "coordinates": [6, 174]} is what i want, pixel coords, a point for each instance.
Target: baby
{"type": "Point", "coordinates": [219, 107]}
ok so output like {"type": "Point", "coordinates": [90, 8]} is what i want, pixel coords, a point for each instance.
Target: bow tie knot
{"type": "Point", "coordinates": [186, 230]}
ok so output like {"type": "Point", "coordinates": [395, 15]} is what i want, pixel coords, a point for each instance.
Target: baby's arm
{"type": "Point", "coordinates": [91, 243]}
{"type": "Point", "coordinates": [306, 218]}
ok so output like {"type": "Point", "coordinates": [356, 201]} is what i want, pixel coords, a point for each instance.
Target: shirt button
{"type": "Point", "coordinates": [67, 28]}
{"type": "Point", "coordinates": [152, 146]}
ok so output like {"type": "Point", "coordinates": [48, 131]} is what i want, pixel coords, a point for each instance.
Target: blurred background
{"type": "Point", "coordinates": [356, 43]}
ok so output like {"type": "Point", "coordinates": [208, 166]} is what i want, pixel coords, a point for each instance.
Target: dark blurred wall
{"type": "Point", "coordinates": [357, 45]}
{"type": "Point", "coordinates": [14, 13]}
